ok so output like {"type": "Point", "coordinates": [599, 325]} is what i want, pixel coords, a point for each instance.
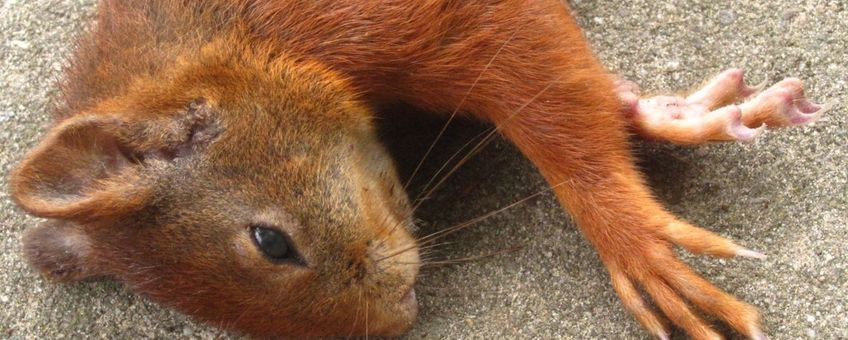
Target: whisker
{"type": "Point", "coordinates": [355, 317]}
{"type": "Point", "coordinates": [452, 291]}
{"type": "Point", "coordinates": [444, 165]}
{"type": "Point", "coordinates": [432, 246]}
{"type": "Point", "coordinates": [458, 227]}
{"type": "Point", "coordinates": [479, 146]}
{"type": "Point", "coordinates": [470, 154]}
{"type": "Point", "coordinates": [484, 142]}
{"type": "Point", "coordinates": [427, 259]}
{"type": "Point", "coordinates": [383, 240]}
{"type": "Point", "coordinates": [459, 106]}
{"type": "Point", "coordinates": [450, 230]}
{"type": "Point", "coordinates": [417, 201]}
{"type": "Point", "coordinates": [421, 256]}
{"type": "Point", "coordinates": [449, 121]}
{"type": "Point", "coordinates": [473, 258]}
{"type": "Point", "coordinates": [366, 319]}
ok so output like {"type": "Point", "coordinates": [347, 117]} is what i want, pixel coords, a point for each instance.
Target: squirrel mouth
{"type": "Point", "coordinates": [400, 317]}
{"type": "Point", "coordinates": [409, 302]}
{"type": "Point", "coordinates": [409, 297]}
{"type": "Point", "coordinates": [409, 306]}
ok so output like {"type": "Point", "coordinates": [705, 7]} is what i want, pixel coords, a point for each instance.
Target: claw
{"type": "Point", "coordinates": [799, 117]}
{"type": "Point", "coordinates": [634, 302]}
{"type": "Point", "coordinates": [738, 131]}
{"type": "Point", "coordinates": [663, 336]}
{"type": "Point", "coordinates": [782, 105]}
{"type": "Point", "coordinates": [805, 112]}
{"type": "Point", "coordinates": [806, 106]}
{"type": "Point", "coordinates": [797, 109]}
{"type": "Point", "coordinates": [745, 252]}
{"type": "Point", "coordinates": [749, 91]}
{"type": "Point", "coordinates": [702, 241]}
{"type": "Point", "coordinates": [825, 108]}
{"type": "Point", "coordinates": [757, 334]}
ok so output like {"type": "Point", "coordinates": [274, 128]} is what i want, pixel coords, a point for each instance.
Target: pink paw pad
{"type": "Point", "coordinates": [664, 107]}
{"type": "Point", "coordinates": [628, 93]}
{"type": "Point", "coordinates": [736, 130]}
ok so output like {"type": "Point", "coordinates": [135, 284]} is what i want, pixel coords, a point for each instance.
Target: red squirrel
{"type": "Point", "coordinates": [220, 157]}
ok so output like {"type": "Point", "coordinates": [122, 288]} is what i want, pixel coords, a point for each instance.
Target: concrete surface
{"type": "Point", "coordinates": [785, 194]}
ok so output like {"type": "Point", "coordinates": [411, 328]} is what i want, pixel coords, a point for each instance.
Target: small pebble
{"type": "Point", "coordinates": [726, 17]}
{"type": "Point", "coordinates": [20, 44]}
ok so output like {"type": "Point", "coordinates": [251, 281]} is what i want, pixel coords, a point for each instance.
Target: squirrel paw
{"type": "Point", "coordinates": [710, 113]}
{"type": "Point", "coordinates": [645, 258]}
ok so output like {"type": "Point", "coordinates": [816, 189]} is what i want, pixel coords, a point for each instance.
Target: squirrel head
{"type": "Point", "coordinates": [246, 189]}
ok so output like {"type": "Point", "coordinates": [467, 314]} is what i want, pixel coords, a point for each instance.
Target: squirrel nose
{"type": "Point", "coordinates": [358, 270]}
{"type": "Point", "coordinates": [399, 256]}
{"type": "Point", "coordinates": [375, 257]}
{"type": "Point", "coordinates": [362, 261]}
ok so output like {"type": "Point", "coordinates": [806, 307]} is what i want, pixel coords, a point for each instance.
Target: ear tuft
{"type": "Point", "coordinates": [201, 125]}
{"type": "Point", "coordinates": [173, 136]}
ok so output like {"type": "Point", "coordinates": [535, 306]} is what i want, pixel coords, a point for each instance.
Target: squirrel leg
{"type": "Point", "coordinates": [593, 175]}
{"type": "Point", "coordinates": [711, 114]}
{"type": "Point", "coordinates": [543, 89]}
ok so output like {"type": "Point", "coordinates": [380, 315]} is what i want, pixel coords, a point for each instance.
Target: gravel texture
{"type": "Point", "coordinates": [785, 194]}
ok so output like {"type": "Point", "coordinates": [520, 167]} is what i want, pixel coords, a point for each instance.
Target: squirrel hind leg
{"type": "Point", "coordinates": [60, 250]}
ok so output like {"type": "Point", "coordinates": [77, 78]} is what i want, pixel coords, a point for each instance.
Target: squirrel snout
{"type": "Point", "coordinates": [385, 275]}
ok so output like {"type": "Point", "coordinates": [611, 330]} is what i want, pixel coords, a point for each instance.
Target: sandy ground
{"type": "Point", "coordinates": [785, 194]}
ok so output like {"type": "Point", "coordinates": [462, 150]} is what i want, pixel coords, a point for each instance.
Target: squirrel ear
{"type": "Point", "coordinates": [80, 170]}
{"type": "Point", "coordinates": [93, 166]}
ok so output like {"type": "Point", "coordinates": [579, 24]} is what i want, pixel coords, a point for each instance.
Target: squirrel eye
{"type": "Point", "coordinates": [272, 242]}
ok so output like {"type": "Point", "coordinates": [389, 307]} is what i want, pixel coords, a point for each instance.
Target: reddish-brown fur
{"type": "Point", "coordinates": [181, 121]}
